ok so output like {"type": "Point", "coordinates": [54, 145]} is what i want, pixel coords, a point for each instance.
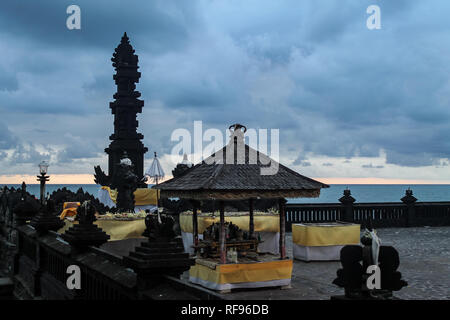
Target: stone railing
{"type": "Point", "coordinates": [37, 259]}
{"type": "Point", "coordinates": [407, 213]}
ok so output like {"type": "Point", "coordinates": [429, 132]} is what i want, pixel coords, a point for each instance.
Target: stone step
{"type": "Point", "coordinates": [6, 288]}
{"type": "Point", "coordinates": [164, 264]}
{"type": "Point", "coordinates": [161, 244]}
{"type": "Point", "coordinates": [157, 256]}
{"type": "Point", "coordinates": [160, 250]}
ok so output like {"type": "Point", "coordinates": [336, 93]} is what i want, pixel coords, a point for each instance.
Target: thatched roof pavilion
{"type": "Point", "coordinates": [223, 176]}
{"type": "Point", "coordinates": [238, 171]}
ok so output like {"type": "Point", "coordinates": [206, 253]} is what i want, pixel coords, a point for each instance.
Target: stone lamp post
{"type": "Point", "coordinates": [43, 166]}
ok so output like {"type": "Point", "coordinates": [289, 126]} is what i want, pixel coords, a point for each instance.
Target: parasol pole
{"type": "Point", "coordinates": [195, 223]}
{"type": "Point", "coordinates": [251, 227]}
{"type": "Point", "coordinates": [281, 203]}
{"type": "Point", "coordinates": [223, 252]}
{"type": "Point", "coordinates": [155, 171]}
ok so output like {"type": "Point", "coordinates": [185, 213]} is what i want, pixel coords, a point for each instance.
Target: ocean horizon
{"type": "Point", "coordinates": [361, 192]}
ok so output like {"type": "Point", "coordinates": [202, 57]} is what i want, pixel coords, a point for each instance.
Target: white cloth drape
{"type": "Point", "coordinates": [229, 286]}
{"type": "Point", "coordinates": [316, 253]}
{"type": "Point", "coordinates": [103, 197]}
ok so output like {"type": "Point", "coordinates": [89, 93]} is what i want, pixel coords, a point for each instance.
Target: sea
{"type": "Point", "coordinates": [361, 192]}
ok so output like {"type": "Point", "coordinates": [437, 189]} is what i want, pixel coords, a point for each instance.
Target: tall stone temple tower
{"type": "Point", "coordinates": [125, 108]}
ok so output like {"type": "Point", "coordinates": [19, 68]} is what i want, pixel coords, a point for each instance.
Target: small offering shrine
{"type": "Point", "coordinates": [266, 228]}
{"type": "Point", "coordinates": [235, 240]}
{"type": "Point", "coordinates": [227, 258]}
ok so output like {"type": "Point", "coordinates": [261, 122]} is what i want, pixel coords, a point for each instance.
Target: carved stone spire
{"type": "Point", "coordinates": [125, 108]}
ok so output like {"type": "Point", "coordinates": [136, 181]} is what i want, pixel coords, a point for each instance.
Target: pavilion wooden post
{"type": "Point", "coordinates": [194, 223]}
{"type": "Point", "coordinates": [222, 235]}
{"type": "Point", "coordinates": [281, 203]}
{"type": "Point", "coordinates": [251, 227]}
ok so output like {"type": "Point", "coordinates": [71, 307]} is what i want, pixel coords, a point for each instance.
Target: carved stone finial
{"type": "Point", "coordinates": [408, 198]}
{"type": "Point", "coordinates": [347, 197]}
{"type": "Point", "coordinates": [162, 254]}
{"type": "Point", "coordinates": [26, 208]}
{"type": "Point", "coordinates": [86, 233]}
{"type": "Point", "coordinates": [237, 134]}
{"type": "Point", "coordinates": [24, 190]}
{"type": "Point", "coordinates": [47, 219]}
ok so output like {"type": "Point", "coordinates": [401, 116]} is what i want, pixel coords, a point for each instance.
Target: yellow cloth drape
{"type": "Point", "coordinates": [142, 196]}
{"type": "Point", "coordinates": [248, 272]}
{"type": "Point", "coordinates": [263, 223]}
{"type": "Point", "coordinates": [69, 209]}
{"type": "Point", "coordinates": [331, 235]}
{"type": "Point", "coordinates": [117, 230]}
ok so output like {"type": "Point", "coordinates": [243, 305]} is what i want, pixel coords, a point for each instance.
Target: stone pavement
{"type": "Point", "coordinates": [424, 264]}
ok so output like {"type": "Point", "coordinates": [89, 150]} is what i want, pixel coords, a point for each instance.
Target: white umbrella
{"type": "Point", "coordinates": [155, 171]}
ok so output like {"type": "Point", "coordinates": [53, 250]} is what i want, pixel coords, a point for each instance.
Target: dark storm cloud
{"type": "Point", "coordinates": [7, 139]}
{"type": "Point", "coordinates": [301, 161]}
{"type": "Point", "coordinates": [311, 69]}
{"type": "Point", "coordinates": [7, 81]}
{"type": "Point", "coordinates": [76, 148]}
{"type": "Point", "coordinates": [162, 26]}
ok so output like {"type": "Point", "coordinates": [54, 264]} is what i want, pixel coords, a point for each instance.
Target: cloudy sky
{"type": "Point", "coordinates": [351, 104]}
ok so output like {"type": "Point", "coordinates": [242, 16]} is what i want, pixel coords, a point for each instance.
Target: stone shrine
{"type": "Point", "coordinates": [125, 108]}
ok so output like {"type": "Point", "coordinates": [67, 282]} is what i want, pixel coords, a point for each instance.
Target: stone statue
{"type": "Point", "coordinates": [125, 181]}
{"type": "Point", "coordinates": [86, 213]}
{"type": "Point", "coordinates": [355, 260]}
{"type": "Point", "coordinates": [160, 227]}
{"type": "Point", "coordinates": [100, 177]}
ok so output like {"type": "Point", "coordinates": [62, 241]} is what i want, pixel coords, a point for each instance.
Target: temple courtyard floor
{"type": "Point", "coordinates": [424, 264]}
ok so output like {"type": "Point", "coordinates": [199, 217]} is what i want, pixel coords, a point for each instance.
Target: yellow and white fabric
{"type": "Point", "coordinates": [245, 275]}
{"type": "Point", "coordinates": [268, 227]}
{"type": "Point", "coordinates": [116, 229]}
{"type": "Point", "coordinates": [144, 198]}
{"type": "Point", "coordinates": [69, 209]}
{"type": "Point", "coordinates": [322, 241]}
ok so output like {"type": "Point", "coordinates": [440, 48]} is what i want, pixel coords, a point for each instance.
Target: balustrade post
{"type": "Point", "coordinates": [409, 200]}
{"type": "Point", "coordinates": [347, 203]}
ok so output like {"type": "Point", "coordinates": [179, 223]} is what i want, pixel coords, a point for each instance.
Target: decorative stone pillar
{"type": "Point", "coordinates": [347, 201]}
{"type": "Point", "coordinates": [410, 201]}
